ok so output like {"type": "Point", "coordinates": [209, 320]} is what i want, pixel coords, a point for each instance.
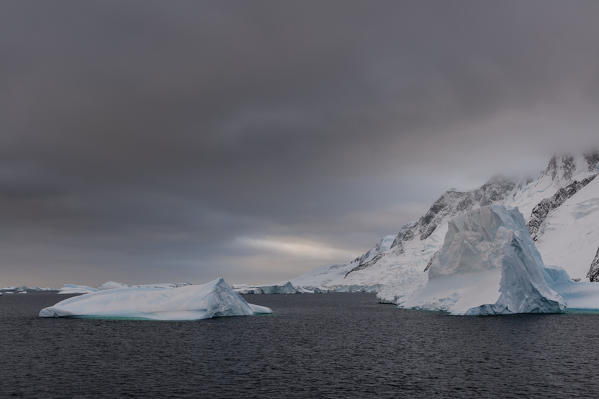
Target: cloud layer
{"type": "Point", "coordinates": [140, 140]}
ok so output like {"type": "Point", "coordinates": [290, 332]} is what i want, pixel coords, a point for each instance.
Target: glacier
{"type": "Point", "coordinates": [189, 302]}
{"type": "Point", "coordinates": [488, 265]}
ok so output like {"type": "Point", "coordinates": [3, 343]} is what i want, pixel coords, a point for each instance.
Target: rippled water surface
{"type": "Point", "coordinates": [331, 346]}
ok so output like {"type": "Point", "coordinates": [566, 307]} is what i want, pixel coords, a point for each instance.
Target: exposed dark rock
{"type": "Point", "coordinates": [542, 209]}
{"type": "Point", "coordinates": [593, 273]}
{"type": "Point", "coordinates": [372, 256]}
{"type": "Point", "coordinates": [364, 265]}
{"type": "Point", "coordinates": [430, 262]}
{"type": "Point", "coordinates": [561, 167]}
{"type": "Point", "coordinates": [453, 202]}
{"type": "Point", "coordinates": [592, 159]}
{"type": "Point", "coordinates": [405, 234]}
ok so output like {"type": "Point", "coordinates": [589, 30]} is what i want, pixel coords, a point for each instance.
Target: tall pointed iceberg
{"type": "Point", "coordinates": [488, 264]}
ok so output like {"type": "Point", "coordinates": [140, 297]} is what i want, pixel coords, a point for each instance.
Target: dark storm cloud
{"type": "Point", "coordinates": [181, 140]}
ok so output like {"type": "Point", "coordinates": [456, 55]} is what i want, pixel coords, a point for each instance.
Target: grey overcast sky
{"type": "Point", "coordinates": [146, 141]}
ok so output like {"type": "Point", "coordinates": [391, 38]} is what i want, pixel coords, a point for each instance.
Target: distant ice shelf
{"type": "Point", "coordinates": [190, 302]}
{"type": "Point", "coordinates": [71, 289]}
{"type": "Point", "coordinates": [23, 290]}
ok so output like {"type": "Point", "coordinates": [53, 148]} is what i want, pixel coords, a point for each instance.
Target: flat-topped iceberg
{"type": "Point", "coordinates": [71, 289]}
{"type": "Point", "coordinates": [286, 288]}
{"type": "Point", "coordinates": [191, 302]}
{"type": "Point", "coordinates": [488, 265]}
{"type": "Point", "coordinates": [23, 289]}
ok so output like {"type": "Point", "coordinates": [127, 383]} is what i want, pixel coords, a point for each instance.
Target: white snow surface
{"type": "Point", "coordinates": [488, 265]}
{"type": "Point", "coordinates": [570, 235]}
{"type": "Point", "coordinates": [190, 302]}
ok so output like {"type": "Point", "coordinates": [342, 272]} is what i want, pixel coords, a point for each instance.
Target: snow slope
{"type": "Point", "coordinates": [191, 302]}
{"type": "Point", "coordinates": [570, 235]}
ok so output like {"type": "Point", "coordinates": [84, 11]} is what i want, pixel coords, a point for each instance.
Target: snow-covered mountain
{"type": "Point", "coordinates": [561, 209]}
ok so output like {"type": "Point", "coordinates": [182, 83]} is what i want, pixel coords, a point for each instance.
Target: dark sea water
{"type": "Point", "coordinates": [313, 346]}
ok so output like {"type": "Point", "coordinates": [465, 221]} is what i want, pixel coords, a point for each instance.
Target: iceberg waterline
{"type": "Point", "coordinates": [190, 302]}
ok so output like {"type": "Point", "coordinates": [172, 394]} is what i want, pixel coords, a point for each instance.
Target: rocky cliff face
{"type": "Point", "coordinates": [452, 203]}
{"type": "Point", "coordinates": [593, 274]}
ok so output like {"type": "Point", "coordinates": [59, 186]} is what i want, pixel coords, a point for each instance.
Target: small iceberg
{"type": "Point", "coordinates": [190, 302]}
{"type": "Point", "coordinates": [488, 265]}
{"type": "Point", "coordinates": [71, 289]}
{"type": "Point", "coordinates": [286, 288]}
